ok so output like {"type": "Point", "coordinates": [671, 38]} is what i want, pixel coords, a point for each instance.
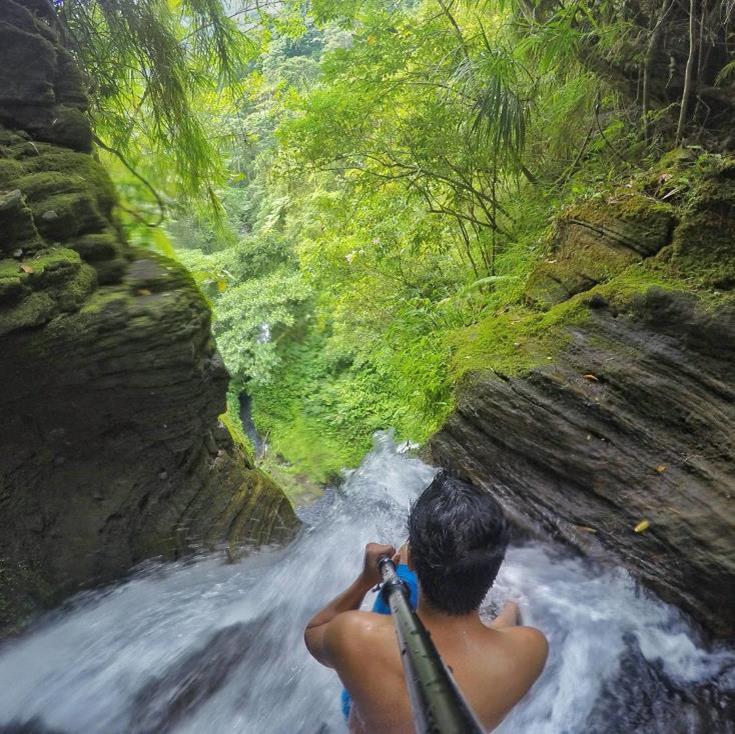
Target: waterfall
{"type": "Point", "coordinates": [209, 646]}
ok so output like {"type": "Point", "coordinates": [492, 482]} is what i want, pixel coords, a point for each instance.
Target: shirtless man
{"type": "Point", "coordinates": [457, 540]}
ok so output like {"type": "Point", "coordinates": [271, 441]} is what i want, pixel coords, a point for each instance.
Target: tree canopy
{"type": "Point", "coordinates": [384, 174]}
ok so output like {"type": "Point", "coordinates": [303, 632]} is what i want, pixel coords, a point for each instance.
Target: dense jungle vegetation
{"type": "Point", "coordinates": [362, 188]}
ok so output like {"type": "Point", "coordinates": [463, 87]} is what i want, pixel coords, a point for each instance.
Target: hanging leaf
{"type": "Point", "coordinates": [641, 526]}
{"type": "Point", "coordinates": [661, 468]}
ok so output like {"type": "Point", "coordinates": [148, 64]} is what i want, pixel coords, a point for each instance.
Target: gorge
{"type": "Point", "coordinates": [548, 311]}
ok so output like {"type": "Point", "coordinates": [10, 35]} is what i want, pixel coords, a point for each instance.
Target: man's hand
{"type": "Point", "coordinates": [374, 551]}
{"type": "Point", "coordinates": [316, 632]}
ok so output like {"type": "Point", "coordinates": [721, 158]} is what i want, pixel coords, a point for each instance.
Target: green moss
{"type": "Point", "coordinates": [63, 216]}
{"type": "Point", "coordinates": [11, 269]}
{"type": "Point", "coordinates": [52, 282]}
{"type": "Point", "coordinates": [518, 339]}
{"type": "Point", "coordinates": [672, 160]}
{"type": "Point", "coordinates": [96, 246]}
{"type": "Point", "coordinates": [704, 242]}
{"type": "Point", "coordinates": [633, 207]}
{"type": "Point", "coordinates": [230, 419]}
{"type": "Point", "coordinates": [17, 230]}
{"type": "Point", "coordinates": [10, 171]}
{"type": "Point", "coordinates": [53, 257]}
{"type": "Point", "coordinates": [639, 278]}
{"type": "Point", "coordinates": [42, 266]}
{"type": "Point", "coordinates": [70, 127]}
{"type": "Point", "coordinates": [596, 239]}
{"type": "Point", "coordinates": [515, 340]}
{"type": "Point", "coordinates": [622, 204]}
{"type": "Point", "coordinates": [83, 171]}
{"type": "Point", "coordinates": [700, 258]}
{"type": "Point", "coordinates": [40, 185]}
{"type": "Point", "coordinates": [153, 271]}
{"type": "Point", "coordinates": [11, 287]}
{"type": "Point", "coordinates": [75, 291]}
{"type": "Point", "coordinates": [106, 298]}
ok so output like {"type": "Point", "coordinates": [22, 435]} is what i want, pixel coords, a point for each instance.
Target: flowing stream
{"type": "Point", "coordinates": [208, 646]}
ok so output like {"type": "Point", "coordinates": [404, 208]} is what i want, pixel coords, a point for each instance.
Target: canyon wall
{"type": "Point", "coordinates": [608, 418]}
{"type": "Point", "coordinates": [110, 381]}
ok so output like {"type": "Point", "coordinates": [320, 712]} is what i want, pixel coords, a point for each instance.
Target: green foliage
{"type": "Point", "coordinates": [254, 302]}
{"type": "Point", "coordinates": [392, 172]}
{"type": "Point", "coordinates": [320, 409]}
{"type": "Point", "coordinates": [147, 62]}
{"type": "Point", "coordinates": [231, 420]}
{"type": "Point", "coordinates": [384, 204]}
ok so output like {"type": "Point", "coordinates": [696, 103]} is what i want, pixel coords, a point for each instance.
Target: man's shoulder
{"type": "Point", "coordinates": [528, 643]}
{"type": "Point", "coordinates": [357, 625]}
{"type": "Point", "coordinates": [525, 635]}
{"type": "Point", "coordinates": [349, 633]}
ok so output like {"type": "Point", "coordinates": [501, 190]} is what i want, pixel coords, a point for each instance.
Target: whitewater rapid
{"type": "Point", "coordinates": [211, 646]}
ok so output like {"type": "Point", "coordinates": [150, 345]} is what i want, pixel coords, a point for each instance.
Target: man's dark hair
{"type": "Point", "coordinates": [458, 535]}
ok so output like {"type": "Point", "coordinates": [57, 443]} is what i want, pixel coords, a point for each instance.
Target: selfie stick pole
{"type": "Point", "coordinates": [438, 706]}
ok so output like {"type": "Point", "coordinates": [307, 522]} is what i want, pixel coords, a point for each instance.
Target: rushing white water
{"type": "Point", "coordinates": [207, 646]}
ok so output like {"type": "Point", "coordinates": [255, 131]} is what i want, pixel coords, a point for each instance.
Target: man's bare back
{"type": "Point", "coordinates": [457, 540]}
{"type": "Point", "coordinates": [494, 666]}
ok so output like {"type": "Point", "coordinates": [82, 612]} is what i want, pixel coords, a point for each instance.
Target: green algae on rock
{"type": "Point", "coordinates": [595, 406]}
{"type": "Point", "coordinates": [112, 386]}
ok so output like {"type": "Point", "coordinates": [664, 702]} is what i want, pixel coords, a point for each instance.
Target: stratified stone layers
{"type": "Point", "coordinates": [650, 438]}
{"type": "Point", "coordinates": [112, 451]}
{"type": "Point", "coordinates": [629, 423]}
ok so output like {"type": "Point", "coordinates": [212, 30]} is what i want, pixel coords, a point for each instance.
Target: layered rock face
{"type": "Point", "coordinates": [622, 442]}
{"type": "Point", "coordinates": [112, 451]}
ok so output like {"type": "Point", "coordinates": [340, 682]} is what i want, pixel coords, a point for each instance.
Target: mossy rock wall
{"type": "Point", "coordinates": [112, 451]}
{"type": "Point", "coordinates": [605, 400]}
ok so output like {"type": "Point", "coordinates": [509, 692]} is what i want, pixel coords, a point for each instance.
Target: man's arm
{"type": "Point", "coordinates": [315, 634]}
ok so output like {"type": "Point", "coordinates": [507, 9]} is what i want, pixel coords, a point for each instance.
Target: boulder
{"type": "Point", "coordinates": [595, 240]}
{"type": "Point", "coordinates": [625, 444]}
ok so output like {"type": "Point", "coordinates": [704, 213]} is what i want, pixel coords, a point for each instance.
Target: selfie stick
{"type": "Point", "coordinates": [438, 706]}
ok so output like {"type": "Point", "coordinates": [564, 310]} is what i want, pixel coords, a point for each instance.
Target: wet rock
{"type": "Point", "coordinates": [29, 726]}
{"type": "Point", "coordinates": [16, 223]}
{"type": "Point", "coordinates": [622, 442]}
{"type": "Point", "coordinates": [644, 699]}
{"type": "Point", "coordinates": [102, 383]}
{"type": "Point", "coordinates": [39, 92]}
{"type": "Point", "coordinates": [165, 700]}
{"type": "Point", "coordinates": [111, 451]}
{"type": "Point", "coordinates": [651, 438]}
